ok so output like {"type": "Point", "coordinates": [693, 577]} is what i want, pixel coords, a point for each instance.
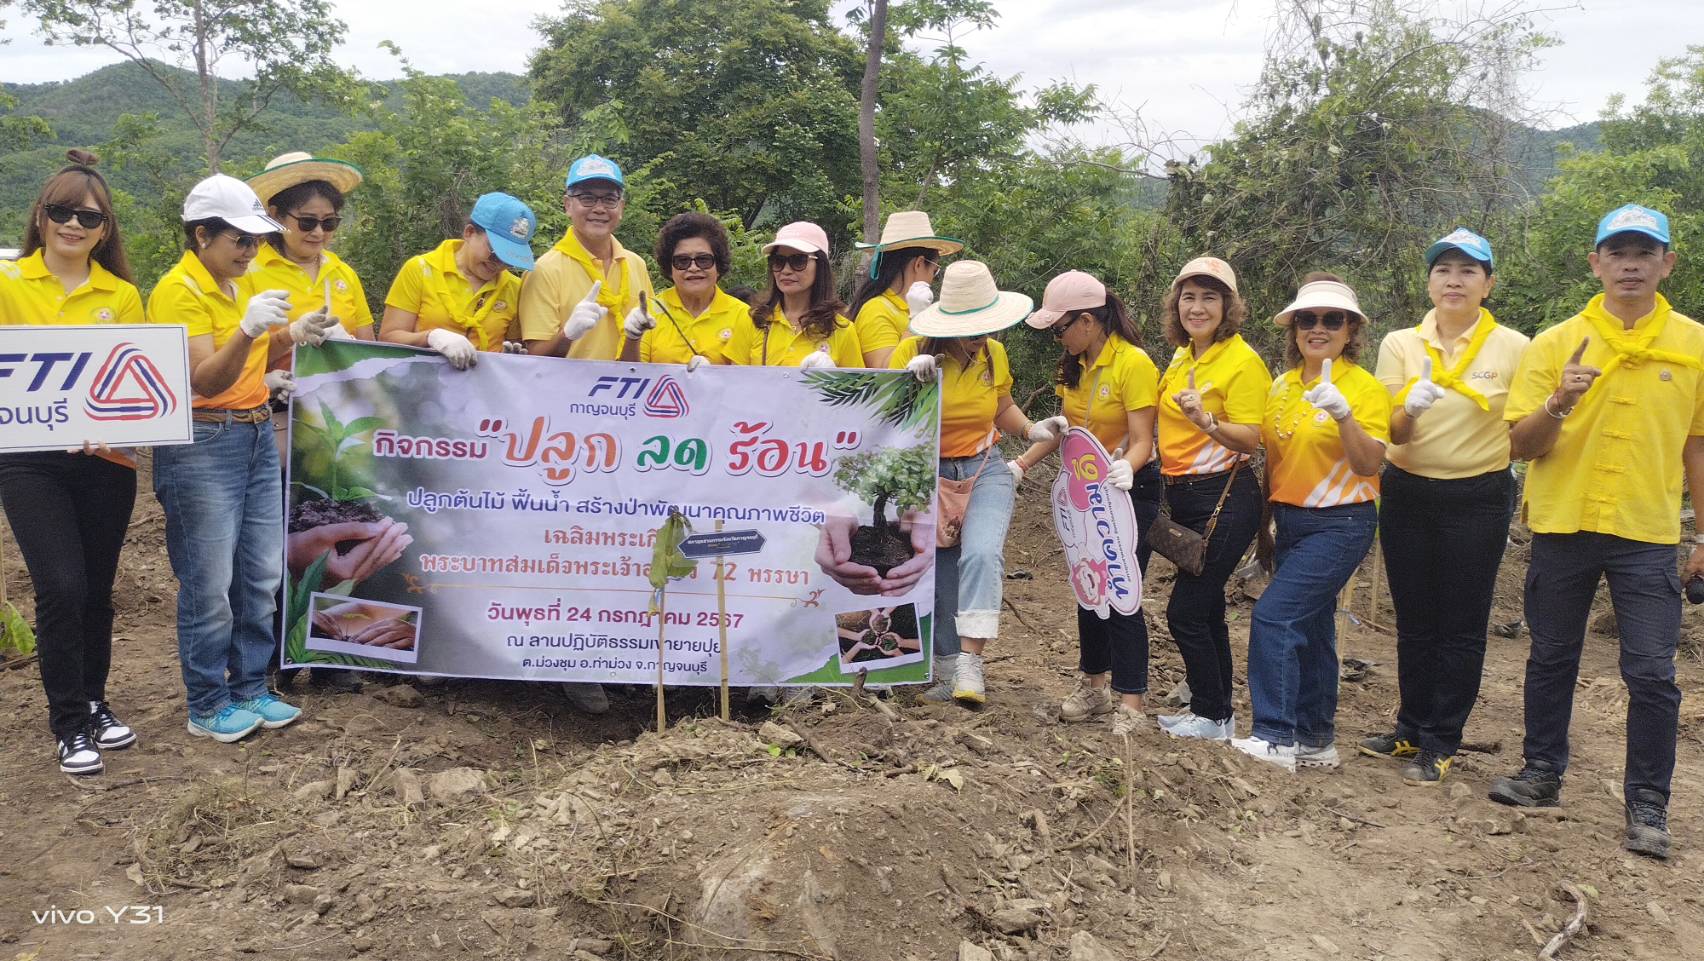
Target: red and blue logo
{"type": "Point", "coordinates": [667, 400]}
{"type": "Point", "coordinates": [129, 387]}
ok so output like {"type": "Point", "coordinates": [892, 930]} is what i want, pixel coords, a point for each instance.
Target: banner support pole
{"type": "Point", "coordinates": [662, 651]}
{"type": "Point", "coordinates": [722, 620]}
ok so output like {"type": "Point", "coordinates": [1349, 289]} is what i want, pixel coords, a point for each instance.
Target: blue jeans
{"type": "Point", "coordinates": [969, 578]}
{"type": "Point", "coordinates": [225, 536]}
{"type": "Point", "coordinates": [1292, 641]}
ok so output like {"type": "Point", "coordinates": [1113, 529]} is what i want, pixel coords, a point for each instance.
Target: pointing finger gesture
{"type": "Point", "coordinates": [1577, 377]}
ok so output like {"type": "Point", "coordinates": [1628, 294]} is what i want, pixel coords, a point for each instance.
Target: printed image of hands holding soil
{"type": "Point", "coordinates": [355, 539]}
{"type": "Point", "coordinates": [886, 556]}
{"type": "Point", "coordinates": [881, 637]}
{"type": "Point", "coordinates": [370, 628]}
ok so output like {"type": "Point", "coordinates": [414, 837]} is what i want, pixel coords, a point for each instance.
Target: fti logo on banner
{"type": "Point", "coordinates": [667, 400]}
{"type": "Point", "coordinates": [129, 387]}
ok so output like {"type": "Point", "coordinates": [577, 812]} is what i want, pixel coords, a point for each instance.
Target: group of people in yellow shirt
{"type": "Point", "coordinates": [1607, 408]}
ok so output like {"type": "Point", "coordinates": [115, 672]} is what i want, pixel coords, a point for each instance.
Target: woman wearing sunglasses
{"type": "Point", "coordinates": [306, 195]}
{"type": "Point", "coordinates": [1448, 497]}
{"type": "Point", "coordinates": [1326, 424]}
{"type": "Point", "coordinates": [692, 322]}
{"type": "Point", "coordinates": [1212, 397]}
{"type": "Point", "coordinates": [221, 494]}
{"type": "Point", "coordinates": [1108, 385]}
{"type": "Point", "coordinates": [69, 510]}
{"type": "Point", "coordinates": [798, 321]}
{"type": "Point", "coordinates": [903, 266]}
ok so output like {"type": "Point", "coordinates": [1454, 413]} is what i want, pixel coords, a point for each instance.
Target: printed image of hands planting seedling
{"type": "Point", "coordinates": [874, 639]}
{"type": "Point", "coordinates": [338, 536]}
{"type": "Point", "coordinates": [390, 632]}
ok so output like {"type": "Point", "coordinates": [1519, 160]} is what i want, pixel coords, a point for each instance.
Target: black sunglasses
{"type": "Point", "coordinates": [1307, 320]}
{"type": "Point", "coordinates": [1058, 330]}
{"type": "Point", "coordinates": [685, 262]}
{"type": "Point", "coordinates": [61, 214]}
{"type": "Point", "coordinates": [793, 262]}
{"type": "Point", "coordinates": [308, 225]}
{"type": "Point", "coordinates": [245, 241]}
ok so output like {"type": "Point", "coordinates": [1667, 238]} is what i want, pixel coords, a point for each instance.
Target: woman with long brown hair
{"type": "Point", "coordinates": [799, 321]}
{"type": "Point", "coordinates": [69, 510]}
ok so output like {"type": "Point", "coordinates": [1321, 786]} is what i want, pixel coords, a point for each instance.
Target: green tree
{"type": "Point", "coordinates": [752, 107]}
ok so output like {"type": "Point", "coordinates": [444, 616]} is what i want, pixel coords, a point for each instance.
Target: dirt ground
{"type": "Point", "coordinates": [483, 820]}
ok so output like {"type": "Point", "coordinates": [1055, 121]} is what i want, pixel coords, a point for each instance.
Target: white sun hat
{"type": "Point", "coordinates": [1321, 295]}
{"type": "Point", "coordinates": [287, 170]}
{"type": "Point", "coordinates": [911, 228]}
{"type": "Point", "coordinates": [230, 200]}
{"type": "Point", "coordinates": [970, 305]}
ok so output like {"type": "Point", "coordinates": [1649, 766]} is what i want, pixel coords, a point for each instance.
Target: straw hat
{"type": "Point", "coordinates": [1321, 295]}
{"type": "Point", "coordinates": [911, 228]}
{"type": "Point", "coordinates": [287, 170]}
{"type": "Point", "coordinates": [970, 304]}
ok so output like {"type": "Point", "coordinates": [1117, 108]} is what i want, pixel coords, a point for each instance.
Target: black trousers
{"type": "Point", "coordinates": [69, 513]}
{"type": "Point", "coordinates": [1196, 611]}
{"type": "Point", "coordinates": [1120, 643]}
{"type": "Point", "coordinates": [1644, 588]}
{"type": "Point", "coordinates": [1443, 541]}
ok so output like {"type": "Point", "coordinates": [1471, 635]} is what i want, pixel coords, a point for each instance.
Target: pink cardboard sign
{"type": "Point", "coordinates": [1097, 526]}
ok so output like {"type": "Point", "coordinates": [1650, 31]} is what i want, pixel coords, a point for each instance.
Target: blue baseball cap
{"type": "Point", "coordinates": [594, 167]}
{"type": "Point", "coordinates": [1633, 219]}
{"type": "Point", "coordinates": [509, 226]}
{"type": "Point", "coordinates": [1463, 240]}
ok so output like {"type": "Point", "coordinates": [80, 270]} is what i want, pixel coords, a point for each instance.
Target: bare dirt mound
{"type": "Point", "coordinates": [482, 820]}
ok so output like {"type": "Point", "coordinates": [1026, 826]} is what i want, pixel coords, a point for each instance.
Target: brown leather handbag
{"type": "Point", "coordinates": [1182, 545]}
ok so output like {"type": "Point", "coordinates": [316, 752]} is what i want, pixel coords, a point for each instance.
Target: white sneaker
{"type": "Point", "coordinates": [586, 698]}
{"type": "Point", "coordinates": [968, 685]}
{"type": "Point", "coordinates": [1278, 755]}
{"type": "Point", "coordinates": [78, 755]}
{"type": "Point", "coordinates": [1317, 756]}
{"type": "Point", "coordinates": [1127, 720]}
{"type": "Point", "coordinates": [110, 733]}
{"type": "Point", "coordinates": [1193, 725]}
{"type": "Point", "coordinates": [945, 670]}
{"type": "Point", "coordinates": [1086, 701]}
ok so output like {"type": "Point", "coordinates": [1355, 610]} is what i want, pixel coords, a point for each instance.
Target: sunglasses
{"type": "Point", "coordinates": [686, 262]}
{"type": "Point", "coordinates": [1058, 330]}
{"type": "Point", "coordinates": [245, 241]}
{"type": "Point", "coordinates": [61, 214]}
{"type": "Point", "coordinates": [308, 225]}
{"type": "Point", "coordinates": [606, 201]}
{"type": "Point", "coordinates": [1308, 320]}
{"type": "Point", "coordinates": [794, 262]}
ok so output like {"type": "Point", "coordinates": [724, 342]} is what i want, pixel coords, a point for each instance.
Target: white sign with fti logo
{"type": "Point", "coordinates": [126, 385]}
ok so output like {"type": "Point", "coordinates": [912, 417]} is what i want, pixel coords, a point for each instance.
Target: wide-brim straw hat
{"type": "Point", "coordinates": [911, 228]}
{"type": "Point", "coordinates": [287, 170]}
{"type": "Point", "coordinates": [970, 305]}
{"type": "Point", "coordinates": [1321, 295]}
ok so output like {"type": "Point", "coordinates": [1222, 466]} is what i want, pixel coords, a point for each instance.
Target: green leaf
{"type": "Point", "coordinates": [355, 493]}
{"type": "Point", "coordinates": [361, 425]}
{"type": "Point", "coordinates": [333, 427]}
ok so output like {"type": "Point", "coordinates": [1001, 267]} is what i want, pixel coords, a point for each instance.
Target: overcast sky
{"type": "Point", "coordinates": [1186, 64]}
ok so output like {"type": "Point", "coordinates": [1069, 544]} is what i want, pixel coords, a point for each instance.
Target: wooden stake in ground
{"type": "Point", "coordinates": [662, 654]}
{"type": "Point", "coordinates": [722, 620]}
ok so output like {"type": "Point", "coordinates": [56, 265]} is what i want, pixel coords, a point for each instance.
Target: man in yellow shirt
{"type": "Point", "coordinates": [576, 301]}
{"type": "Point", "coordinates": [1609, 408]}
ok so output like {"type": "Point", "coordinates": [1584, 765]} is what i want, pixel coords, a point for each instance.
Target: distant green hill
{"type": "Point", "coordinates": [84, 111]}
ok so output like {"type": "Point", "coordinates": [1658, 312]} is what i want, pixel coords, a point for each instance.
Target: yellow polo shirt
{"type": "Point", "coordinates": [1232, 381]}
{"type": "Point", "coordinates": [710, 332]}
{"type": "Point", "coordinates": [781, 345]}
{"type": "Point", "coordinates": [189, 295]}
{"type": "Point", "coordinates": [30, 295]}
{"type": "Point", "coordinates": [883, 321]}
{"type": "Point", "coordinates": [1616, 467]}
{"type": "Point", "coordinates": [1305, 462]}
{"type": "Point", "coordinates": [431, 287]}
{"type": "Point", "coordinates": [1456, 438]}
{"type": "Point", "coordinates": [1122, 379]}
{"type": "Point", "coordinates": [970, 397]}
{"type": "Point", "coordinates": [558, 282]}
{"type": "Point", "coordinates": [271, 270]}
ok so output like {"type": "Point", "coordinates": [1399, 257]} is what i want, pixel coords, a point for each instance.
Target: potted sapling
{"type": "Point", "coordinates": [900, 479]}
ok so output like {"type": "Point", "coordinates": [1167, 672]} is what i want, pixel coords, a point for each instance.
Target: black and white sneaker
{"type": "Point", "coordinates": [110, 733]}
{"type": "Point", "coordinates": [78, 755]}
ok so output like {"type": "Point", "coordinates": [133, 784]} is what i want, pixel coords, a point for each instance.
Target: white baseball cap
{"type": "Point", "coordinates": [230, 200]}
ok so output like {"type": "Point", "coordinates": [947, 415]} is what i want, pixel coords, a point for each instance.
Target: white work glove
{"type": "Point", "coordinates": [586, 314]}
{"type": "Point", "coordinates": [312, 329]}
{"type": "Point", "coordinates": [918, 297]}
{"type": "Point", "coordinates": [1423, 394]}
{"type": "Point", "coordinates": [923, 367]}
{"type": "Point", "coordinates": [280, 384]}
{"type": "Point", "coordinates": [1326, 396]}
{"type": "Point", "coordinates": [1017, 470]}
{"type": "Point", "coordinates": [638, 321]}
{"type": "Point", "coordinates": [266, 310]}
{"type": "Point", "coordinates": [696, 361]}
{"type": "Point", "coordinates": [1043, 431]}
{"type": "Point", "coordinates": [458, 350]}
{"type": "Point", "coordinates": [338, 332]}
{"type": "Point", "coordinates": [514, 347]}
{"type": "Point", "coordinates": [817, 358]}
{"type": "Point", "coordinates": [1120, 474]}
